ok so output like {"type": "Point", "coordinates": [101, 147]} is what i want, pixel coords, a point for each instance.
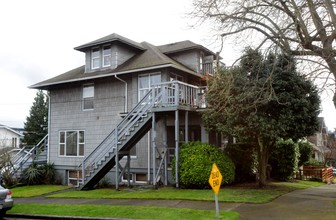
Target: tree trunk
{"type": "Point", "coordinates": [262, 163]}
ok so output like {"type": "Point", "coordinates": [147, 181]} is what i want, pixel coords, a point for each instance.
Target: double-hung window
{"type": "Point", "coordinates": [106, 56]}
{"type": "Point", "coordinates": [146, 81]}
{"type": "Point", "coordinates": [95, 58]}
{"type": "Point", "coordinates": [71, 143]}
{"type": "Point", "coordinates": [88, 97]}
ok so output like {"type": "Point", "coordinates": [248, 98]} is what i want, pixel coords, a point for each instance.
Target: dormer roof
{"type": "Point", "coordinates": [109, 39]}
{"type": "Point", "coordinates": [150, 59]}
{"type": "Point", "coordinates": [183, 46]}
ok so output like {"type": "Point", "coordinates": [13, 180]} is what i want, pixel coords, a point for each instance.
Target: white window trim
{"type": "Point", "coordinates": [79, 179]}
{"type": "Point", "coordinates": [146, 74]}
{"type": "Point", "coordinates": [133, 178]}
{"type": "Point", "coordinates": [59, 143]}
{"type": "Point", "coordinates": [103, 55]}
{"type": "Point", "coordinates": [83, 98]}
{"type": "Point", "coordinates": [97, 57]}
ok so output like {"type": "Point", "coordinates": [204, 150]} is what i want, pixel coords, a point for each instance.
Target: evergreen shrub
{"type": "Point", "coordinates": [284, 159]}
{"type": "Point", "coordinates": [195, 164]}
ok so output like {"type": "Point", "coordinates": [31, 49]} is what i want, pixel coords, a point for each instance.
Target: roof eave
{"type": "Point", "coordinates": [41, 86]}
{"type": "Point", "coordinates": [83, 48]}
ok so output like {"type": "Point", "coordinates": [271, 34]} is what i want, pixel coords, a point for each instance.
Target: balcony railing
{"type": "Point", "coordinates": [208, 68]}
{"type": "Point", "coordinates": [176, 93]}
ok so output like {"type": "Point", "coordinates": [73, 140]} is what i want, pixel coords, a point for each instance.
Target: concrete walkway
{"type": "Point", "coordinates": [313, 203]}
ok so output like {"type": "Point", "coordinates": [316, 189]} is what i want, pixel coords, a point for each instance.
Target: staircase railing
{"type": "Point", "coordinates": [165, 94]}
{"type": "Point", "coordinates": [20, 158]}
{"type": "Point", "coordinates": [176, 93]}
{"type": "Point", "coordinates": [109, 144]}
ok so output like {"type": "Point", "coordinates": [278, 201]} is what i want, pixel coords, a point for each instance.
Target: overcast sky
{"type": "Point", "coordinates": [38, 37]}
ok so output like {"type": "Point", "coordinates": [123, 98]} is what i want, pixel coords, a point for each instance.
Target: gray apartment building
{"type": "Point", "coordinates": [124, 114]}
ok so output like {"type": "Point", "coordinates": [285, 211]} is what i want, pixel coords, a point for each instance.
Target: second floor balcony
{"type": "Point", "coordinates": [178, 95]}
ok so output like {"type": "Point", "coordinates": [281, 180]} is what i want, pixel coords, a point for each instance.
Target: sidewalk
{"type": "Point", "coordinates": [313, 203]}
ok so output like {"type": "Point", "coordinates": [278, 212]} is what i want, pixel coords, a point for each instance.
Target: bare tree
{"type": "Point", "coordinates": [304, 28]}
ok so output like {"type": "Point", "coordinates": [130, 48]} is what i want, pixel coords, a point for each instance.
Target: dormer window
{"type": "Point", "coordinates": [106, 56]}
{"type": "Point", "coordinates": [95, 58]}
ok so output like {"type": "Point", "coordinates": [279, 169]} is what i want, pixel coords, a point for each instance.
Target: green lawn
{"type": "Point", "coordinates": [132, 212]}
{"type": "Point", "coordinates": [245, 194]}
{"type": "Point", "coordinates": [227, 194]}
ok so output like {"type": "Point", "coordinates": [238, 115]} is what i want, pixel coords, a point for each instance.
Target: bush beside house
{"type": "Point", "coordinates": [195, 164]}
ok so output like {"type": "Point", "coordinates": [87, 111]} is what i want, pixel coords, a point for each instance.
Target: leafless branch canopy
{"type": "Point", "coordinates": [304, 28]}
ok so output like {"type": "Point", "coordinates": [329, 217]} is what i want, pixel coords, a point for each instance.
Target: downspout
{"type": "Point", "coordinates": [48, 150]}
{"type": "Point", "coordinates": [126, 99]}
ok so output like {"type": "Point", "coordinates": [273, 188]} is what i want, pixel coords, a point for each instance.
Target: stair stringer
{"type": "Point", "coordinates": [108, 162]}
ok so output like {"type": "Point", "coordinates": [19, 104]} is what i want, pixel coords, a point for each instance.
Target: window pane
{"type": "Point", "coordinates": [88, 91]}
{"type": "Point", "coordinates": [88, 97]}
{"type": "Point", "coordinates": [81, 150]}
{"type": "Point", "coordinates": [155, 79]}
{"type": "Point", "coordinates": [62, 149]}
{"type": "Point", "coordinates": [141, 177]}
{"type": "Point", "coordinates": [107, 61]}
{"type": "Point", "coordinates": [142, 93]}
{"type": "Point", "coordinates": [95, 57]}
{"type": "Point", "coordinates": [62, 138]}
{"type": "Point", "coordinates": [81, 136]}
{"type": "Point", "coordinates": [95, 63]}
{"type": "Point", "coordinates": [143, 82]}
{"type": "Point", "coordinates": [88, 103]}
{"type": "Point", "coordinates": [107, 56]}
{"type": "Point", "coordinates": [71, 143]}
{"type": "Point", "coordinates": [107, 50]}
{"type": "Point", "coordinates": [95, 52]}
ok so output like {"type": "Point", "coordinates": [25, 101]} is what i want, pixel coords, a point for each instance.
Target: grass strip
{"type": "Point", "coordinates": [107, 211]}
{"type": "Point", "coordinates": [36, 190]}
{"type": "Point", "coordinates": [240, 194]}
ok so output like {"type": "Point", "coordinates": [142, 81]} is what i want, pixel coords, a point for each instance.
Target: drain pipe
{"type": "Point", "coordinates": [49, 114]}
{"type": "Point", "coordinates": [126, 103]}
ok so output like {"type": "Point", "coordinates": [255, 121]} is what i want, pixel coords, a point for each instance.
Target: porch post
{"type": "Point", "coordinates": [166, 150]}
{"type": "Point", "coordinates": [149, 156]}
{"type": "Point", "coordinates": [204, 134]}
{"type": "Point", "coordinates": [186, 127]}
{"type": "Point", "coordinates": [177, 140]}
{"type": "Point", "coordinates": [128, 168]}
{"type": "Point", "coordinates": [117, 159]}
{"type": "Point", "coordinates": [154, 149]}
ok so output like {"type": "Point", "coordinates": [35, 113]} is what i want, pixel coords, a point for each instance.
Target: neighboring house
{"type": "Point", "coordinates": [320, 142]}
{"type": "Point", "coordinates": [126, 112]}
{"type": "Point", "coordinates": [9, 137]}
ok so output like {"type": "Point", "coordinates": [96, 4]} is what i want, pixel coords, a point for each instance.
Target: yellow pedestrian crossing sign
{"type": "Point", "coordinates": [215, 179]}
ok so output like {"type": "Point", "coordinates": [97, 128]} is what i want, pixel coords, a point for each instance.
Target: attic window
{"type": "Point", "coordinates": [106, 56]}
{"type": "Point", "coordinates": [95, 58]}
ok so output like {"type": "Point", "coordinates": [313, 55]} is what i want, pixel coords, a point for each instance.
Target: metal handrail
{"type": "Point", "coordinates": [29, 154]}
{"type": "Point", "coordinates": [162, 94]}
{"type": "Point", "coordinates": [123, 127]}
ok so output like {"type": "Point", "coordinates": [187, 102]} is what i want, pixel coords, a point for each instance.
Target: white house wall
{"type": "Point", "coordinates": [7, 137]}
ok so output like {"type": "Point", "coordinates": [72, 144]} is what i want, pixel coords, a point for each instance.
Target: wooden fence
{"type": "Point", "coordinates": [316, 173]}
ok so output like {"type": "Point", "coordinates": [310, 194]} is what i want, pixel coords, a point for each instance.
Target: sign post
{"type": "Point", "coordinates": [215, 181]}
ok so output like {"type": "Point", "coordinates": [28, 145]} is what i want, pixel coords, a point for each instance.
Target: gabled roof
{"type": "Point", "coordinates": [149, 59]}
{"type": "Point", "coordinates": [10, 129]}
{"type": "Point", "coordinates": [108, 39]}
{"type": "Point", "coordinates": [183, 46]}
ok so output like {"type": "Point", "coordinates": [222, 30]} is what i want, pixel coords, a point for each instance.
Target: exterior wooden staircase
{"type": "Point", "coordinates": [132, 128]}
